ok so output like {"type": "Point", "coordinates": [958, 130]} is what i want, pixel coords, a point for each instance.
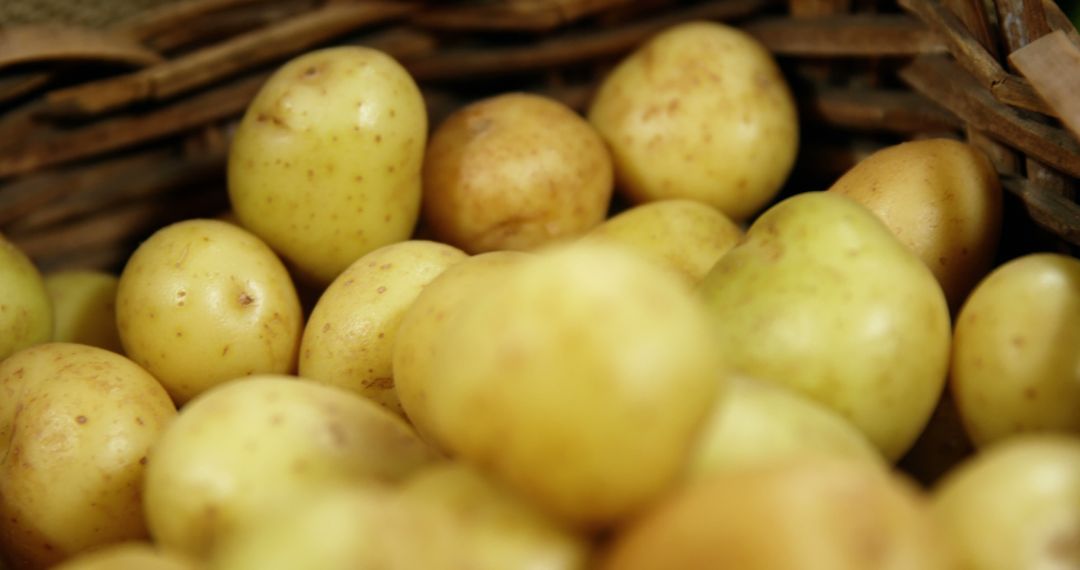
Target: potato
{"type": "Point", "coordinates": [128, 556]}
{"type": "Point", "coordinates": [760, 423]}
{"type": "Point", "coordinates": [1016, 352]}
{"type": "Point", "coordinates": [203, 301]}
{"type": "Point", "coordinates": [26, 314]}
{"type": "Point", "coordinates": [1015, 505]}
{"type": "Point", "coordinates": [76, 424]}
{"type": "Point", "coordinates": [587, 358]}
{"type": "Point", "coordinates": [685, 236]}
{"type": "Point", "coordinates": [325, 165]}
{"type": "Point", "coordinates": [427, 319]}
{"type": "Point", "coordinates": [822, 298]}
{"type": "Point", "coordinates": [84, 308]}
{"type": "Point", "coordinates": [349, 338]}
{"type": "Point", "coordinates": [501, 530]}
{"type": "Point", "coordinates": [349, 527]}
{"type": "Point", "coordinates": [249, 449]}
{"type": "Point", "coordinates": [806, 514]}
{"type": "Point", "coordinates": [942, 199]}
{"type": "Point", "coordinates": [514, 171]}
{"type": "Point", "coordinates": [448, 517]}
{"type": "Point", "coordinates": [700, 111]}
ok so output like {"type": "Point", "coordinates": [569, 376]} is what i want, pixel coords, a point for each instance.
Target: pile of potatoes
{"type": "Point", "coordinates": [411, 352]}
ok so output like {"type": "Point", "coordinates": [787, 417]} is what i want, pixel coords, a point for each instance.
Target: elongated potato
{"type": "Point", "coordinates": [26, 314]}
{"type": "Point", "coordinates": [325, 165]}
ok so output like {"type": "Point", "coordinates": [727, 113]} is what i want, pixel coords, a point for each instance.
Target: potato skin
{"type": "Point", "coordinates": [349, 338]}
{"type": "Point", "coordinates": [204, 301]}
{"type": "Point", "coordinates": [1016, 350]}
{"type": "Point", "coordinates": [942, 199]}
{"type": "Point", "coordinates": [133, 555]}
{"type": "Point", "coordinates": [325, 165]}
{"type": "Point", "coordinates": [804, 514]}
{"type": "Point", "coordinates": [1015, 504]}
{"type": "Point", "coordinates": [586, 357]}
{"type": "Point", "coordinates": [26, 314]}
{"type": "Point", "coordinates": [700, 111]}
{"type": "Point", "coordinates": [84, 308]}
{"type": "Point", "coordinates": [685, 236]}
{"type": "Point", "coordinates": [514, 171]}
{"type": "Point", "coordinates": [77, 423]}
{"type": "Point", "coordinates": [254, 448]}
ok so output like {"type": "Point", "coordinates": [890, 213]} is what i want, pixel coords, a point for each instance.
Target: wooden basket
{"type": "Point", "coordinates": [114, 127]}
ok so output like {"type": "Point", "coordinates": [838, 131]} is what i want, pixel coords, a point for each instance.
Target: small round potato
{"type": "Point", "coordinates": [26, 314]}
{"type": "Point", "coordinates": [760, 423]}
{"type": "Point", "coordinates": [325, 165]}
{"type": "Point", "coordinates": [805, 514]}
{"type": "Point", "coordinates": [349, 338]}
{"type": "Point", "coordinates": [579, 378]}
{"type": "Point", "coordinates": [76, 423]}
{"type": "Point", "coordinates": [700, 111]}
{"type": "Point", "coordinates": [1016, 350]}
{"type": "Point", "coordinates": [428, 319]}
{"type": "Point", "coordinates": [253, 448]}
{"type": "Point", "coordinates": [942, 199]}
{"type": "Point", "coordinates": [128, 556]}
{"type": "Point", "coordinates": [1015, 505]}
{"type": "Point", "coordinates": [514, 171]}
{"type": "Point", "coordinates": [84, 308]}
{"type": "Point", "coordinates": [685, 236]}
{"type": "Point", "coordinates": [204, 301]}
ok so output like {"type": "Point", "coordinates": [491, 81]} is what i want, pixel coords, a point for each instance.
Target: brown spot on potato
{"type": "Point", "coordinates": [245, 299]}
{"type": "Point", "coordinates": [81, 419]}
{"type": "Point", "coordinates": [1018, 341]}
{"type": "Point", "coordinates": [142, 460]}
{"type": "Point", "coordinates": [381, 290]}
{"type": "Point", "coordinates": [225, 349]}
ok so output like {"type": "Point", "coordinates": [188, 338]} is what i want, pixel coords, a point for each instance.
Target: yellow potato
{"type": "Point", "coordinates": [579, 379]}
{"type": "Point", "coordinates": [501, 530]}
{"type": "Point", "coordinates": [26, 314]}
{"type": "Point", "coordinates": [806, 514]}
{"type": "Point", "coordinates": [203, 301]}
{"type": "Point", "coordinates": [822, 298]}
{"type": "Point", "coordinates": [128, 556]}
{"type": "Point", "coordinates": [350, 527]}
{"type": "Point", "coordinates": [76, 424]}
{"type": "Point", "coordinates": [942, 199]}
{"type": "Point", "coordinates": [514, 171]}
{"type": "Point", "coordinates": [250, 449]}
{"type": "Point", "coordinates": [685, 236]}
{"type": "Point", "coordinates": [1016, 351]}
{"type": "Point", "coordinates": [84, 308]}
{"type": "Point", "coordinates": [325, 165]}
{"type": "Point", "coordinates": [760, 423]}
{"type": "Point", "coordinates": [428, 319]}
{"type": "Point", "coordinates": [1015, 505]}
{"type": "Point", "coordinates": [349, 338]}
{"type": "Point", "coordinates": [700, 111]}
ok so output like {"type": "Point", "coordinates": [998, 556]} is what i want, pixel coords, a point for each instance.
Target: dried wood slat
{"type": "Point", "coordinates": [816, 8]}
{"type": "Point", "coordinates": [846, 35]}
{"type": "Point", "coordinates": [57, 146]}
{"type": "Point", "coordinates": [1005, 159]}
{"type": "Point", "coordinates": [13, 86]}
{"type": "Point", "coordinates": [512, 16]}
{"type": "Point", "coordinates": [559, 50]}
{"type": "Point", "coordinates": [25, 195]}
{"type": "Point", "coordinates": [973, 14]}
{"type": "Point", "coordinates": [1021, 22]}
{"type": "Point", "coordinates": [967, 50]}
{"type": "Point", "coordinates": [1047, 208]}
{"type": "Point", "coordinates": [219, 27]}
{"type": "Point", "coordinates": [172, 15]}
{"type": "Point", "coordinates": [944, 81]}
{"type": "Point", "coordinates": [55, 42]}
{"type": "Point", "coordinates": [876, 110]}
{"type": "Point", "coordinates": [1052, 65]}
{"type": "Point", "coordinates": [1059, 21]}
{"type": "Point", "coordinates": [205, 66]}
